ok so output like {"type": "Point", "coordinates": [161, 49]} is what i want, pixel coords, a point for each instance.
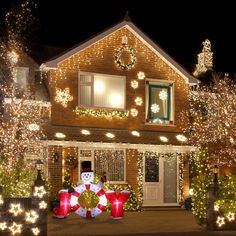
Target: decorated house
{"type": "Point", "coordinates": [116, 101]}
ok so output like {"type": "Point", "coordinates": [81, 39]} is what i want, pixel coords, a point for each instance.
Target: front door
{"type": "Point", "coordinates": [153, 181]}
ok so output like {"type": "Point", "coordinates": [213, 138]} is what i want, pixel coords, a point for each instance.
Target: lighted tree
{"type": "Point", "coordinates": [20, 122]}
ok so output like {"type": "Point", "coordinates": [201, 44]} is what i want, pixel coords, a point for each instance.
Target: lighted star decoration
{"type": "Point", "coordinates": [134, 84]}
{"type": "Point", "coordinates": [3, 225]}
{"type": "Point", "coordinates": [15, 209]}
{"type": "Point", "coordinates": [35, 230]}
{"type": "Point", "coordinates": [15, 228]}
{"type": "Point", "coordinates": [31, 216]}
{"type": "Point", "coordinates": [155, 108]}
{"type": "Point", "coordinates": [220, 221]}
{"type": "Point", "coordinates": [163, 95]}
{"type": "Point", "coordinates": [39, 191]}
{"type": "Point", "coordinates": [216, 207]}
{"type": "Point", "coordinates": [63, 96]}
{"type": "Point", "coordinates": [141, 75]}
{"type": "Point", "coordinates": [231, 216]}
{"type": "Point", "coordinates": [42, 205]}
{"type": "Point", "coordinates": [133, 112]}
{"type": "Point", "coordinates": [138, 101]}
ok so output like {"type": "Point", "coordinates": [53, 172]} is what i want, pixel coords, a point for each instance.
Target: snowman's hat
{"type": "Point", "coordinates": [86, 166]}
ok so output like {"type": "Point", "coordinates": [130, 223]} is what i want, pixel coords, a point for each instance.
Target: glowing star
{"type": "Point", "coordinates": [138, 101]}
{"type": "Point", "coordinates": [63, 96]}
{"type": "Point", "coordinates": [31, 216]}
{"type": "Point", "coordinates": [220, 221]}
{"type": "Point", "coordinates": [39, 191]}
{"type": "Point", "coordinates": [35, 230]}
{"type": "Point", "coordinates": [133, 112]}
{"type": "Point", "coordinates": [231, 216]}
{"type": "Point", "coordinates": [134, 84]}
{"type": "Point", "coordinates": [15, 228]}
{"type": "Point", "coordinates": [163, 95]}
{"type": "Point", "coordinates": [216, 207]}
{"type": "Point", "coordinates": [15, 209]}
{"type": "Point", "coordinates": [42, 205]}
{"type": "Point", "coordinates": [3, 225]}
{"type": "Point", "coordinates": [141, 75]}
{"type": "Point", "coordinates": [155, 108]}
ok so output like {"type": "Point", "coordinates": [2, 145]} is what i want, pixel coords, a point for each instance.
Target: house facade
{"type": "Point", "coordinates": [116, 101]}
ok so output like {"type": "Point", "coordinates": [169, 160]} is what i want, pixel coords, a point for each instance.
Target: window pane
{"type": "Point", "coordinates": [21, 77]}
{"type": "Point", "coordinates": [151, 169]}
{"type": "Point", "coordinates": [110, 163]}
{"type": "Point", "coordinates": [85, 95]}
{"type": "Point", "coordinates": [85, 78]}
{"type": "Point", "coordinates": [109, 91]}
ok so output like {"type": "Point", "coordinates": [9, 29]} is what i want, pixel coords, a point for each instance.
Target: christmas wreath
{"type": "Point", "coordinates": [118, 53]}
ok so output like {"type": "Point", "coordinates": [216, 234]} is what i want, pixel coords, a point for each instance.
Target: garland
{"type": "Point", "coordinates": [118, 60]}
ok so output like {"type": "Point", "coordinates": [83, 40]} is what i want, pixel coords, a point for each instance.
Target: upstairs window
{"type": "Point", "coordinates": [102, 91]}
{"type": "Point", "coordinates": [159, 102]}
{"type": "Point", "coordinates": [22, 77]}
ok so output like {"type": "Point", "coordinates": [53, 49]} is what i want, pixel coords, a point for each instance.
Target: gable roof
{"type": "Point", "coordinates": [141, 36]}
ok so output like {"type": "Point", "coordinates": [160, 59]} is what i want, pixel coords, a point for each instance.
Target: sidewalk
{"type": "Point", "coordinates": [135, 223]}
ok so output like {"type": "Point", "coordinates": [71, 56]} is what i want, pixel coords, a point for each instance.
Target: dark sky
{"type": "Point", "coordinates": [179, 27]}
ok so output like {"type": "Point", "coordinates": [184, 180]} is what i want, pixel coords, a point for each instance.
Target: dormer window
{"type": "Point", "coordinates": [22, 77]}
{"type": "Point", "coordinates": [101, 90]}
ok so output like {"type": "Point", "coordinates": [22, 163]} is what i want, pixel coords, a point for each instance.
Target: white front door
{"type": "Point", "coordinates": [160, 183]}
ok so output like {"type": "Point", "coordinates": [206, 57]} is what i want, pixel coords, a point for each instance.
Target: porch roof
{"type": "Point", "coordinates": [73, 133]}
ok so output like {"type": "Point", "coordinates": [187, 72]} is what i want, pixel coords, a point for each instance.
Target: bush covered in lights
{"type": "Point", "coordinates": [16, 178]}
{"type": "Point", "coordinates": [225, 197]}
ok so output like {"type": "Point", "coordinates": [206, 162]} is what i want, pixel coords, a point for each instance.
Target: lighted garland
{"type": "Point", "coordinates": [101, 113]}
{"type": "Point", "coordinates": [133, 58]}
{"type": "Point", "coordinates": [181, 178]}
{"type": "Point", "coordinates": [140, 177]}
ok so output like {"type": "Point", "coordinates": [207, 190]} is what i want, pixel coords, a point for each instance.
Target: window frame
{"type": "Point", "coordinates": [92, 74]}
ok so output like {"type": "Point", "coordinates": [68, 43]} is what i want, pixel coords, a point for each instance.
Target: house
{"type": "Point", "coordinates": [116, 101]}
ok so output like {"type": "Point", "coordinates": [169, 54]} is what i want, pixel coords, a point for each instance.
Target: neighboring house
{"type": "Point", "coordinates": [116, 101]}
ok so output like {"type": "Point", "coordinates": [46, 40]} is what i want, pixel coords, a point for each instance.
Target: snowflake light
{"type": "Point", "coordinates": [134, 84]}
{"type": "Point", "coordinates": [3, 225]}
{"type": "Point", "coordinates": [31, 216]}
{"type": "Point", "coordinates": [15, 228]}
{"type": "Point", "coordinates": [39, 191]}
{"type": "Point", "coordinates": [133, 112]}
{"type": "Point", "coordinates": [138, 101]}
{"type": "Point", "coordinates": [163, 95]}
{"type": "Point", "coordinates": [220, 221]}
{"type": "Point", "coordinates": [15, 209]}
{"type": "Point", "coordinates": [141, 75]}
{"type": "Point", "coordinates": [155, 108]}
{"type": "Point", "coordinates": [42, 205]}
{"type": "Point", "coordinates": [231, 216]}
{"type": "Point", "coordinates": [63, 96]}
{"type": "Point", "coordinates": [35, 231]}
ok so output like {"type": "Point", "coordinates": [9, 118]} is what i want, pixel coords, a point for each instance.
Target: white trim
{"type": "Point", "coordinates": [139, 147]}
{"type": "Point", "coordinates": [141, 36]}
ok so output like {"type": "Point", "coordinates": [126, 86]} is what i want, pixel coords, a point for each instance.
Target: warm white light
{"type": "Point", "coordinates": [164, 139]}
{"type": "Point", "coordinates": [33, 127]}
{"type": "Point", "coordinates": [216, 207]}
{"type": "Point", "coordinates": [141, 75]}
{"type": "Point", "coordinates": [42, 205]}
{"type": "Point", "coordinates": [15, 228]}
{"type": "Point", "coordinates": [134, 84]}
{"type": "Point", "coordinates": [181, 138]}
{"type": "Point", "coordinates": [155, 108]}
{"type": "Point", "coordinates": [110, 135]}
{"type": "Point", "coordinates": [220, 221]}
{"type": "Point", "coordinates": [3, 225]}
{"type": "Point", "coordinates": [39, 191]}
{"type": "Point", "coordinates": [190, 191]}
{"type": "Point", "coordinates": [35, 231]}
{"type": "Point", "coordinates": [99, 87]}
{"type": "Point", "coordinates": [85, 132]}
{"type": "Point", "coordinates": [31, 216]}
{"type": "Point", "coordinates": [231, 216]}
{"type": "Point", "coordinates": [1, 200]}
{"type": "Point", "coordinates": [133, 112]}
{"type": "Point", "coordinates": [138, 101]}
{"type": "Point", "coordinates": [60, 135]}
{"type": "Point", "coordinates": [15, 209]}
{"type": "Point", "coordinates": [115, 99]}
{"type": "Point", "coordinates": [63, 96]}
{"type": "Point", "coordinates": [163, 95]}
{"type": "Point", "coordinates": [135, 133]}
{"type": "Point", "coordinates": [13, 57]}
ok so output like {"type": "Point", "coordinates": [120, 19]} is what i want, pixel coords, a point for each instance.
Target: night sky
{"type": "Point", "coordinates": [179, 27]}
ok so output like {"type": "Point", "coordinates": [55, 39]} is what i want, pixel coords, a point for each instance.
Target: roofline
{"type": "Point", "coordinates": [141, 36]}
